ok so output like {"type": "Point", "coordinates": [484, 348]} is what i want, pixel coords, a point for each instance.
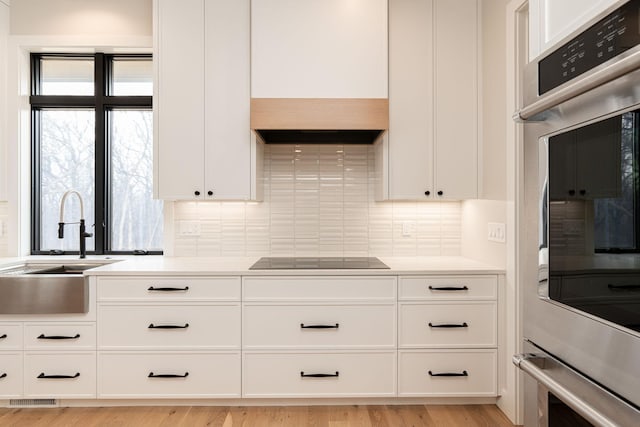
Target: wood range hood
{"type": "Point", "coordinates": [319, 120]}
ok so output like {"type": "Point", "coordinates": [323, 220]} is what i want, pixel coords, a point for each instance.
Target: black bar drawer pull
{"type": "Point", "coordinates": [624, 287]}
{"type": "Point", "coordinates": [303, 326]}
{"type": "Point", "coordinates": [58, 337]}
{"type": "Point", "coordinates": [170, 289]}
{"type": "Point", "coordinates": [152, 375]}
{"type": "Point", "coordinates": [449, 325]}
{"type": "Point", "coordinates": [448, 288]}
{"type": "Point", "coordinates": [152, 326]}
{"type": "Point", "coordinates": [4, 375]}
{"type": "Point", "coordinates": [449, 374]}
{"type": "Point", "coordinates": [57, 377]}
{"type": "Point", "coordinates": [303, 375]}
{"type": "Point", "coordinates": [3, 336]}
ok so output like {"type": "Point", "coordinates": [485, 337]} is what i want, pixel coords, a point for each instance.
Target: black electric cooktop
{"type": "Point", "coordinates": [317, 263]}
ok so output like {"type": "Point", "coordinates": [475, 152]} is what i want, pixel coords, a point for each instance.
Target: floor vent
{"type": "Point", "coordinates": [32, 403]}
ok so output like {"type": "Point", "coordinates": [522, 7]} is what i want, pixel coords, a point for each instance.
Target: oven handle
{"type": "Point", "coordinates": [580, 86]}
{"type": "Point", "coordinates": [583, 396]}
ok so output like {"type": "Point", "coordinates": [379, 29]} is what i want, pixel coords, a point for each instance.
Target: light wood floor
{"type": "Point", "coordinates": [290, 416]}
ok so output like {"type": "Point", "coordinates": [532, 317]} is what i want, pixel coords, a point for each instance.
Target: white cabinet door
{"type": "Point", "coordinates": [319, 49]}
{"type": "Point", "coordinates": [552, 20]}
{"type": "Point", "coordinates": [179, 99]}
{"type": "Point", "coordinates": [410, 99]}
{"type": "Point", "coordinates": [433, 101]}
{"type": "Point", "coordinates": [226, 89]}
{"type": "Point", "coordinates": [10, 375]}
{"type": "Point", "coordinates": [204, 146]}
{"type": "Point", "coordinates": [456, 99]}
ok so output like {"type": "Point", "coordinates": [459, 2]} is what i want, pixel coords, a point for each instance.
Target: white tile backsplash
{"type": "Point", "coordinates": [318, 202]}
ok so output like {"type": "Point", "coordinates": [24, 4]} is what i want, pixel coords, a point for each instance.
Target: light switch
{"type": "Point", "coordinates": [497, 232]}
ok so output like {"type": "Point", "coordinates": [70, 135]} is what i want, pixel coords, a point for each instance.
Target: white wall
{"type": "Point", "coordinates": [81, 17]}
{"type": "Point", "coordinates": [4, 241]}
{"type": "Point", "coordinates": [476, 215]}
{"type": "Point", "coordinates": [494, 113]}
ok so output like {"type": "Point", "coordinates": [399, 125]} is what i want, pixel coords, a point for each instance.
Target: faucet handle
{"type": "Point", "coordinates": [60, 230]}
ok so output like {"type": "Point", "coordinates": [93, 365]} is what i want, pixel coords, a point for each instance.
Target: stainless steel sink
{"type": "Point", "coordinates": [64, 269]}
{"type": "Point", "coordinates": [45, 288]}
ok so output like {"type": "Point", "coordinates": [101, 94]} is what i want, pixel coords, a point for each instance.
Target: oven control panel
{"type": "Point", "coordinates": [617, 32]}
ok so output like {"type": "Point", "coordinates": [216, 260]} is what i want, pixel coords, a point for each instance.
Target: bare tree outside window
{"type": "Point", "coordinates": [136, 219]}
{"type": "Point", "coordinates": [93, 133]}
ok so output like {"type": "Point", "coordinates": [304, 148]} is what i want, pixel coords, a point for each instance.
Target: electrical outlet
{"type": "Point", "coordinates": [497, 232]}
{"type": "Point", "coordinates": [189, 228]}
{"type": "Point", "coordinates": [408, 228]}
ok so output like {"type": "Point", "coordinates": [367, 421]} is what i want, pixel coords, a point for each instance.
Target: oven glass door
{"type": "Point", "coordinates": [559, 414]}
{"type": "Point", "coordinates": [594, 219]}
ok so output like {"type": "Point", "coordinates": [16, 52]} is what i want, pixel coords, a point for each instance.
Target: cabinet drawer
{"type": "Point", "coordinates": [363, 374]}
{"type": "Point", "coordinates": [10, 375]}
{"type": "Point", "coordinates": [10, 336]}
{"type": "Point", "coordinates": [471, 373]}
{"type": "Point", "coordinates": [448, 325]}
{"type": "Point", "coordinates": [196, 375]}
{"type": "Point", "coordinates": [63, 336]}
{"type": "Point", "coordinates": [448, 288]}
{"type": "Point", "coordinates": [58, 374]}
{"type": "Point", "coordinates": [329, 288]}
{"type": "Point", "coordinates": [169, 326]}
{"type": "Point", "coordinates": [168, 288]}
{"type": "Point", "coordinates": [316, 326]}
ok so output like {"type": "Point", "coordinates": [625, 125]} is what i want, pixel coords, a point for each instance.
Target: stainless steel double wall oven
{"type": "Point", "coordinates": [581, 299]}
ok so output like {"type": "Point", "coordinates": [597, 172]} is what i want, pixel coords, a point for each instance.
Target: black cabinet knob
{"type": "Point", "coordinates": [572, 192]}
{"type": "Point", "coordinates": [583, 192]}
{"type": "Point", "coordinates": [197, 193]}
{"type": "Point", "coordinates": [427, 193]}
{"type": "Point", "coordinates": [209, 193]}
{"type": "Point", "coordinates": [440, 193]}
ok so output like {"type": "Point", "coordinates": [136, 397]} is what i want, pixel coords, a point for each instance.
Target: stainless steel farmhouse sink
{"type": "Point", "coordinates": [45, 288]}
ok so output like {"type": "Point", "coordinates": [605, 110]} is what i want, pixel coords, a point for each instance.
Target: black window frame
{"type": "Point", "coordinates": [102, 102]}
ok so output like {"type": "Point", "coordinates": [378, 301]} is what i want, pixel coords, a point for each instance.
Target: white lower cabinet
{"type": "Point", "coordinates": [319, 336]}
{"type": "Point", "coordinates": [321, 374]}
{"type": "Point", "coordinates": [10, 374]}
{"type": "Point", "coordinates": [448, 336]}
{"type": "Point", "coordinates": [169, 337]}
{"type": "Point", "coordinates": [60, 375]}
{"type": "Point", "coordinates": [447, 373]}
{"type": "Point", "coordinates": [165, 326]}
{"type": "Point", "coordinates": [44, 358]}
{"type": "Point", "coordinates": [169, 375]}
{"type": "Point", "coordinates": [317, 326]}
{"type": "Point", "coordinates": [60, 336]}
{"type": "Point", "coordinates": [469, 324]}
{"type": "Point", "coordinates": [10, 336]}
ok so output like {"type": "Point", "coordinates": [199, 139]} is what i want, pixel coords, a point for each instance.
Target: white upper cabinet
{"type": "Point", "coordinates": [432, 145]}
{"type": "Point", "coordinates": [204, 146]}
{"type": "Point", "coordinates": [319, 48]}
{"type": "Point", "coordinates": [4, 33]}
{"type": "Point", "coordinates": [552, 20]}
{"type": "Point", "coordinates": [179, 99]}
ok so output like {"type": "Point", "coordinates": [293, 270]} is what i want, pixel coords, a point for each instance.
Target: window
{"type": "Point", "coordinates": [92, 129]}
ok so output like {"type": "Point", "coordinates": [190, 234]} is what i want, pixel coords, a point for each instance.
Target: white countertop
{"type": "Point", "coordinates": [163, 265]}
{"type": "Point", "coordinates": [240, 266]}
